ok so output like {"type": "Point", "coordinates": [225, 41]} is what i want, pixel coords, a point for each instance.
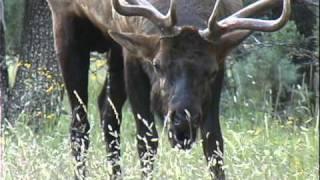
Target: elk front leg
{"type": "Point", "coordinates": [74, 62]}
{"type": "Point", "coordinates": [211, 133]}
{"type": "Point", "coordinates": [213, 149]}
{"type": "Point", "coordinates": [111, 100]}
{"type": "Point", "coordinates": [138, 90]}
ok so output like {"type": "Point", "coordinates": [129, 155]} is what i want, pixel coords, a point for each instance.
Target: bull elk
{"type": "Point", "coordinates": [169, 64]}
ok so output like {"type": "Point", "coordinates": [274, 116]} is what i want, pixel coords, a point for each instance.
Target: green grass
{"type": "Point", "coordinates": [250, 154]}
{"type": "Point", "coordinates": [266, 151]}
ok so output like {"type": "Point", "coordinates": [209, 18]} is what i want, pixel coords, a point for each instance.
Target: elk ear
{"type": "Point", "coordinates": [139, 45]}
{"type": "Point", "coordinates": [231, 40]}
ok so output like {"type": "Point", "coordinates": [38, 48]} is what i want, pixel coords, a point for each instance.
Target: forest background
{"type": "Point", "coordinates": [270, 104]}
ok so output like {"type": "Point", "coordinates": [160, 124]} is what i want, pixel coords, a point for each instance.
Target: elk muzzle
{"type": "Point", "coordinates": [183, 127]}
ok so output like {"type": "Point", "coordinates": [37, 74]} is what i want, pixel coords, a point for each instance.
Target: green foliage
{"type": "Point", "coordinates": [270, 66]}
{"type": "Point", "coordinates": [256, 146]}
{"type": "Point", "coordinates": [265, 151]}
{"type": "Point", "coordinates": [286, 152]}
{"type": "Point", "coordinates": [269, 151]}
{"type": "Point", "coordinates": [266, 76]}
{"type": "Point", "coordinates": [14, 10]}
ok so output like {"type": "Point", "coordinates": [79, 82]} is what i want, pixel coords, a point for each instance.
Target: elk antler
{"type": "Point", "coordinates": [240, 21]}
{"type": "Point", "coordinates": [165, 23]}
{"type": "Point", "coordinates": [212, 23]}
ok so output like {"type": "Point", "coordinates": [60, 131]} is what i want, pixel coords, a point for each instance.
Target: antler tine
{"type": "Point", "coordinates": [212, 23]}
{"type": "Point", "coordinates": [255, 8]}
{"type": "Point", "coordinates": [146, 10]}
{"type": "Point", "coordinates": [239, 21]}
{"type": "Point", "coordinates": [172, 13]}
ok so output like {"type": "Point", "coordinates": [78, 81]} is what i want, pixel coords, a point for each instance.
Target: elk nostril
{"type": "Point", "coordinates": [181, 121]}
{"type": "Point", "coordinates": [178, 118]}
{"type": "Point", "coordinates": [182, 136]}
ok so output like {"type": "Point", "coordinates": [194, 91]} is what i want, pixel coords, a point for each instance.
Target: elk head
{"type": "Point", "coordinates": [186, 59]}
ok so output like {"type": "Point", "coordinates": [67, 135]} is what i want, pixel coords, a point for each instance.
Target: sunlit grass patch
{"type": "Point", "coordinates": [250, 154]}
{"type": "Point", "coordinates": [283, 154]}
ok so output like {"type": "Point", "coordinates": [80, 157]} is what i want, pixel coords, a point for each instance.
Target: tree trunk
{"type": "Point", "coordinates": [37, 92]}
{"type": "Point", "coordinates": [304, 15]}
{"type": "Point", "coordinates": [3, 67]}
{"type": "Point", "coordinates": [3, 85]}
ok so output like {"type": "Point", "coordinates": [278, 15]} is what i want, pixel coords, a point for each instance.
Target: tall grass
{"type": "Point", "coordinates": [285, 152]}
{"type": "Point", "coordinates": [268, 150]}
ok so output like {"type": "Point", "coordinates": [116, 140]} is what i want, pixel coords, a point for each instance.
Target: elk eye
{"type": "Point", "coordinates": [156, 66]}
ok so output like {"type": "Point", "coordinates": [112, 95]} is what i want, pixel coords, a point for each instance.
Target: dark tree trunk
{"type": "Point", "coordinates": [305, 18]}
{"type": "Point", "coordinates": [37, 90]}
{"type": "Point", "coordinates": [3, 84]}
{"type": "Point", "coordinates": [3, 67]}
{"type": "Point", "coordinates": [304, 15]}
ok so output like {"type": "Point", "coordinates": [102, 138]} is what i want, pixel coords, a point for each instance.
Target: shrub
{"type": "Point", "coordinates": [265, 77]}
